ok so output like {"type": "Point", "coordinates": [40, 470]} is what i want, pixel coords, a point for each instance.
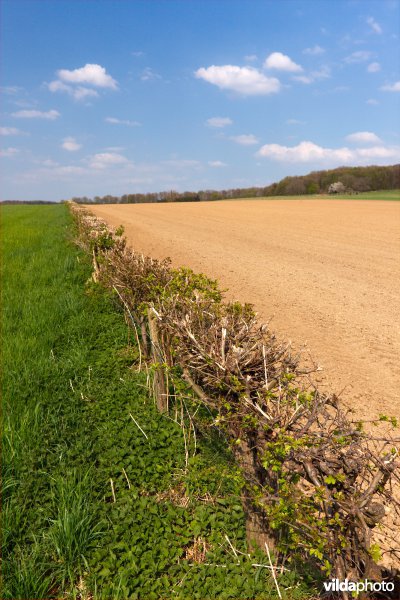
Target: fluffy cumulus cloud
{"type": "Point", "coordinates": [126, 122]}
{"type": "Point", "coordinates": [304, 152]}
{"type": "Point", "coordinates": [308, 152]}
{"type": "Point", "coordinates": [70, 144]}
{"type": "Point", "coordinates": [246, 81]}
{"type": "Point", "coordinates": [50, 115]}
{"type": "Point", "coordinates": [74, 82]}
{"type": "Point", "coordinates": [281, 62]}
{"type": "Point", "coordinates": [376, 152]}
{"type": "Point", "coordinates": [245, 139]}
{"type": "Point", "coordinates": [391, 87]}
{"type": "Point", "coordinates": [78, 93]}
{"type": "Point", "coordinates": [376, 28]}
{"type": "Point", "coordinates": [219, 122]}
{"type": "Point", "coordinates": [90, 74]}
{"type": "Point", "coordinates": [363, 137]}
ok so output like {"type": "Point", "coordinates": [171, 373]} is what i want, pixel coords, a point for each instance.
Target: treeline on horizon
{"type": "Point", "coordinates": [356, 179]}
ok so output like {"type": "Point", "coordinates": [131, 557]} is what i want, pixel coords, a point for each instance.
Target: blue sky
{"type": "Point", "coordinates": [102, 97]}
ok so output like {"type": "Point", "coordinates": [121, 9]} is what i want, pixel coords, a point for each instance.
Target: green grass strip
{"type": "Point", "coordinates": [98, 498]}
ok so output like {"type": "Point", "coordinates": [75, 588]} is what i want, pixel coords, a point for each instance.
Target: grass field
{"type": "Point", "coordinates": [99, 499]}
{"type": "Point", "coordinates": [378, 195]}
{"type": "Point", "coordinates": [388, 195]}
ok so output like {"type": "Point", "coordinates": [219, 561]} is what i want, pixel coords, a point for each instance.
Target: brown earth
{"type": "Point", "coordinates": [325, 272]}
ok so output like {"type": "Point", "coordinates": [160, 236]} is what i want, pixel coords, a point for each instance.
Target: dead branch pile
{"type": "Point", "coordinates": [317, 483]}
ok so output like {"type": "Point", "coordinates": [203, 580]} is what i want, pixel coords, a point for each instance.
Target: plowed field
{"type": "Point", "coordinates": [325, 272]}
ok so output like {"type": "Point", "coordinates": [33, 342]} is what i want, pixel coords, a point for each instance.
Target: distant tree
{"type": "Point", "coordinates": [312, 188]}
{"type": "Point", "coordinates": [336, 188]}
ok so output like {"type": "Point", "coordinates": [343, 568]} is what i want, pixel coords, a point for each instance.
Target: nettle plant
{"type": "Point", "coordinates": [316, 483]}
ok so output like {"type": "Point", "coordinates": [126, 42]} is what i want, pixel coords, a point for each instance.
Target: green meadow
{"type": "Point", "coordinates": [388, 195]}
{"type": "Point", "coordinates": [102, 496]}
{"type": "Point", "coordinates": [377, 195]}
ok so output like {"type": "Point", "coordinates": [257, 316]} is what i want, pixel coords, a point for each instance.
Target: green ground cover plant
{"type": "Point", "coordinates": [103, 496]}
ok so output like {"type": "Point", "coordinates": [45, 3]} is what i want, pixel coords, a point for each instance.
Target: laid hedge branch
{"type": "Point", "coordinates": [317, 482]}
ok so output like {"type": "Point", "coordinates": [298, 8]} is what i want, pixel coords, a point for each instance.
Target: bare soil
{"type": "Point", "coordinates": [325, 272]}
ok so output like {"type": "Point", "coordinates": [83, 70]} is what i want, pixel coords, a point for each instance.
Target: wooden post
{"type": "Point", "coordinates": [160, 387]}
{"type": "Point", "coordinates": [256, 525]}
{"type": "Point", "coordinates": [145, 341]}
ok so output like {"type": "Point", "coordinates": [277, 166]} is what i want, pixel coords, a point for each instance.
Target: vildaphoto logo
{"type": "Point", "coordinates": [335, 585]}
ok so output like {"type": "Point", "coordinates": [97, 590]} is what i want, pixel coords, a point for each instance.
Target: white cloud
{"type": "Point", "coordinates": [149, 75]}
{"type": "Point", "coordinates": [308, 152]}
{"type": "Point", "coordinates": [58, 86]}
{"type": "Point", "coordinates": [314, 51]}
{"type": "Point", "coordinates": [78, 93]}
{"type": "Point", "coordinates": [323, 73]}
{"type": "Point", "coordinates": [394, 87]}
{"type": "Point", "coordinates": [91, 74]}
{"type": "Point", "coordinates": [379, 152]}
{"type": "Point", "coordinates": [363, 137]}
{"type": "Point", "coordinates": [304, 79]}
{"type": "Point", "coordinates": [251, 57]}
{"type": "Point", "coordinates": [36, 114]}
{"type": "Point", "coordinates": [376, 28]}
{"type": "Point", "coordinates": [304, 152]}
{"type": "Point", "coordinates": [52, 171]}
{"type": "Point", "coordinates": [70, 144]}
{"type": "Point", "coordinates": [245, 140]}
{"type": "Point", "coordinates": [69, 170]}
{"type": "Point", "coordinates": [126, 122]}
{"type": "Point", "coordinates": [372, 102]}
{"type": "Point", "coordinates": [117, 149]}
{"type": "Point", "coordinates": [219, 122]}
{"type": "Point", "coordinates": [8, 152]}
{"type": "Point", "coordinates": [374, 67]}
{"type": "Point", "coordinates": [138, 54]}
{"type": "Point", "coordinates": [247, 81]}
{"type": "Point", "coordinates": [281, 62]}
{"type": "Point", "coordinates": [217, 163]}
{"type": "Point", "coordinates": [358, 57]}
{"type": "Point", "coordinates": [81, 93]}
{"type": "Point", "coordinates": [294, 122]}
{"type": "Point", "coordinates": [10, 131]}
{"type": "Point", "coordinates": [10, 90]}
{"type": "Point", "coordinates": [107, 159]}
